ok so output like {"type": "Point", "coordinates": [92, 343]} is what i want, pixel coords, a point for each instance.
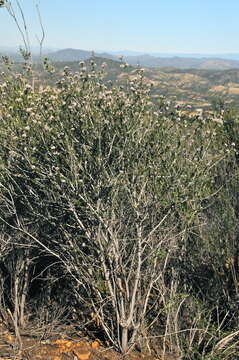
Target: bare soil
{"type": "Point", "coordinates": [74, 348]}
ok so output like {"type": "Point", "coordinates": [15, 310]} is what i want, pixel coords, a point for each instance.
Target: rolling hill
{"type": "Point", "coordinates": [199, 88]}
{"type": "Point", "coordinates": [178, 62]}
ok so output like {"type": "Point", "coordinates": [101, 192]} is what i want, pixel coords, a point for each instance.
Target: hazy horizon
{"type": "Point", "coordinates": [184, 27]}
{"type": "Point", "coordinates": [127, 52]}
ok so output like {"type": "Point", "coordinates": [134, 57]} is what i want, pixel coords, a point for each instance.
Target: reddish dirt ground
{"type": "Point", "coordinates": [63, 349]}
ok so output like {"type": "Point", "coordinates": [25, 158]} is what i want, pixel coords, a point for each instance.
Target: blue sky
{"type": "Point", "coordinates": [185, 26]}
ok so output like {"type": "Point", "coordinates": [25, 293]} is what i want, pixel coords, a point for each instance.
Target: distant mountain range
{"type": "Point", "coordinates": [231, 56]}
{"type": "Point", "coordinates": [155, 60]}
{"type": "Point", "coordinates": [151, 61]}
{"type": "Point", "coordinates": [183, 62]}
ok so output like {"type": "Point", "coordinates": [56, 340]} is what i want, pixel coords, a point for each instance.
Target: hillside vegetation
{"type": "Point", "coordinates": [201, 89]}
{"type": "Point", "coordinates": [118, 214]}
